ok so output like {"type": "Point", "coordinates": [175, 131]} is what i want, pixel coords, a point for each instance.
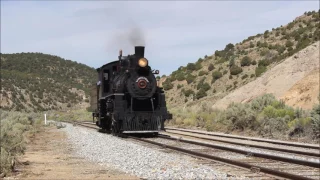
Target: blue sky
{"type": "Point", "coordinates": [174, 33]}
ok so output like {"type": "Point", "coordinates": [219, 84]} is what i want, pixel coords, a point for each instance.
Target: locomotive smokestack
{"type": "Point", "coordinates": [139, 51]}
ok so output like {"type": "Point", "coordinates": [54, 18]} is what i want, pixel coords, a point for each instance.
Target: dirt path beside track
{"type": "Point", "coordinates": [48, 156]}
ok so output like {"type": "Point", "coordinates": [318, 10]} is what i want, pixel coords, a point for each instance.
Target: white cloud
{"type": "Point", "coordinates": [175, 33]}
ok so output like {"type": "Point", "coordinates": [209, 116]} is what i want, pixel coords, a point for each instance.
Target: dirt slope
{"type": "Point", "coordinates": [281, 80]}
{"type": "Point", "coordinates": [305, 92]}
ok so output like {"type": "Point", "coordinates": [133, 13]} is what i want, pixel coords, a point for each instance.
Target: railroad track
{"type": "Point", "coordinates": [260, 165]}
{"type": "Point", "coordinates": [213, 134]}
{"type": "Point", "coordinates": [267, 146]}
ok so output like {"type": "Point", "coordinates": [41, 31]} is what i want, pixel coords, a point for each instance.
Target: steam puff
{"type": "Point", "coordinates": [136, 37]}
{"type": "Point", "coordinates": [125, 39]}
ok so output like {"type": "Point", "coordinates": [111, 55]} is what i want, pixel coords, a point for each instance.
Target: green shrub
{"type": "Point", "coordinates": [229, 46]}
{"type": "Point", "coordinates": [191, 66]}
{"type": "Point", "coordinates": [259, 103]}
{"type": "Point", "coordinates": [200, 84]}
{"type": "Point", "coordinates": [201, 93]}
{"type": "Point", "coordinates": [297, 37]}
{"type": "Point", "coordinates": [235, 82]}
{"type": "Point", "coordinates": [259, 70]}
{"type": "Point", "coordinates": [178, 75]}
{"type": "Point", "coordinates": [254, 62]}
{"type": "Point", "coordinates": [231, 63]}
{"type": "Point", "coordinates": [290, 25]}
{"type": "Point", "coordinates": [274, 127]}
{"type": "Point", "coordinates": [188, 92]}
{"type": "Point", "coordinates": [266, 35]}
{"type": "Point", "coordinates": [252, 75]}
{"type": "Point", "coordinates": [245, 61]}
{"type": "Point", "coordinates": [290, 49]}
{"type": "Point", "coordinates": [210, 67]}
{"type": "Point", "coordinates": [216, 75]}
{"type": "Point", "coordinates": [263, 62]}
{"type": "Point", "coordinates": [244, 76]}
{"type": "Point", "coordinates": [272, 112]}
{"type": "Point", "coordinates": [198, 65]}
{"type": "Point", "coordinates": [315, 120]}
{"type": "Point", "coordinates": [258, 44]}
{"type": "Point", "coordinates": [289, 43]}
{"type": "Point", "coordinates": [234, 70]}
{"type": "Point", "coordinates": [303, 43]}
{"type": "Point", "coordinates": [205, 87]}
{"type": "Point", "coordinates": [240, 116]}
{"type": "Point", "coordinates": [228, 87]}
{"type": "Point", "coordinates": [264, 45]}
{"type": "Point", "coordinates": [201, 73]}
{"type": "Point", "coordinates": [179, 86]}
{"type": "Point", "coordinates": [251, 45]}
{"type": "Point", "coordinates": [190, 78]}
{"type": "Point", "coordinates": [222, 60]}
{"type": "Point", "coordinates": [264, 52]}
{"type": "Point", "coordinates": [281, 49]}
{"type": "Point", "coordinates": [167, 84]}
{"type": "Point", "coordinates": [218, 53]}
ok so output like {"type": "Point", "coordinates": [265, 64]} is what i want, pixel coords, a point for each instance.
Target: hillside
{"type": "Point", "coordinates": [290, 76]}
{"type": "Point", "coordinates": [213, 77]}
{"type": "Point", "coordinates": [37, 82]}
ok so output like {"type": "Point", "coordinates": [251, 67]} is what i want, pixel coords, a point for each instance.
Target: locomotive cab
{"type": "Point", "coordinates": [128, 98]}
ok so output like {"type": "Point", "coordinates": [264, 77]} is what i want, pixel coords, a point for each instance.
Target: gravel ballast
{"type": "Point", "coordinates": [134, 158]}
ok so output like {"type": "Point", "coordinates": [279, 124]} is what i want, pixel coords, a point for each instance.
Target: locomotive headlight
{"type": "Point", "coordinates": [143, 62]}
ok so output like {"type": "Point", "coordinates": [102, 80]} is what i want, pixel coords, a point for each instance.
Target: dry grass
{"type": "Point", "coordinates": [16, 129]}
{"type": "Point", "coordinates": [264, 116]}
{"type": "Point", "coordinates": [70, 115]}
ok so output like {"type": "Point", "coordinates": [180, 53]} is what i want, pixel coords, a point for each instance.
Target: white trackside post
{"type": "Point", "coordinates": [45, 119]}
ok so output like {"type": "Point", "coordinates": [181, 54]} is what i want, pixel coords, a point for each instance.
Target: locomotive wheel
{"type": "Point", "coordinates": [107, 127]}
{"type": "Point", "coordinates": [116, 130]}
{"type": "Point", "coordinates": [113, 131]}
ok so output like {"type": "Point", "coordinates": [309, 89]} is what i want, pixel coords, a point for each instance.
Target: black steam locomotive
{"type": "Point", "coordinates": [127, 98]}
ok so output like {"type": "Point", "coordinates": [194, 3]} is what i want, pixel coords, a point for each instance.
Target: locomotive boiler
{"type": "Point", "coordinates": [127, 97]}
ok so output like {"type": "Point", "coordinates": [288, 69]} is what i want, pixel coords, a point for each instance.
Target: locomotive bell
{"type": "Point", "coordinates": [139, 51]}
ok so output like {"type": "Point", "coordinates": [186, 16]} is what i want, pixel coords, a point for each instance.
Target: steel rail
{"type": "Point", "coordinates": [311, 146]}
{"type": "Point", "coordinates": [88, 126]}
{"type": "Point", "coordinates": [229, 161]}
{"type": "Point", "coordinates": [261, 155]}
{"type": "Point", "coordinates": [251, 145]}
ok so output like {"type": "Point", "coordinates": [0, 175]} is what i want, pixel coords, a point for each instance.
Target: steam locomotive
{"type": "Point", "coordinates": [127, 98]}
